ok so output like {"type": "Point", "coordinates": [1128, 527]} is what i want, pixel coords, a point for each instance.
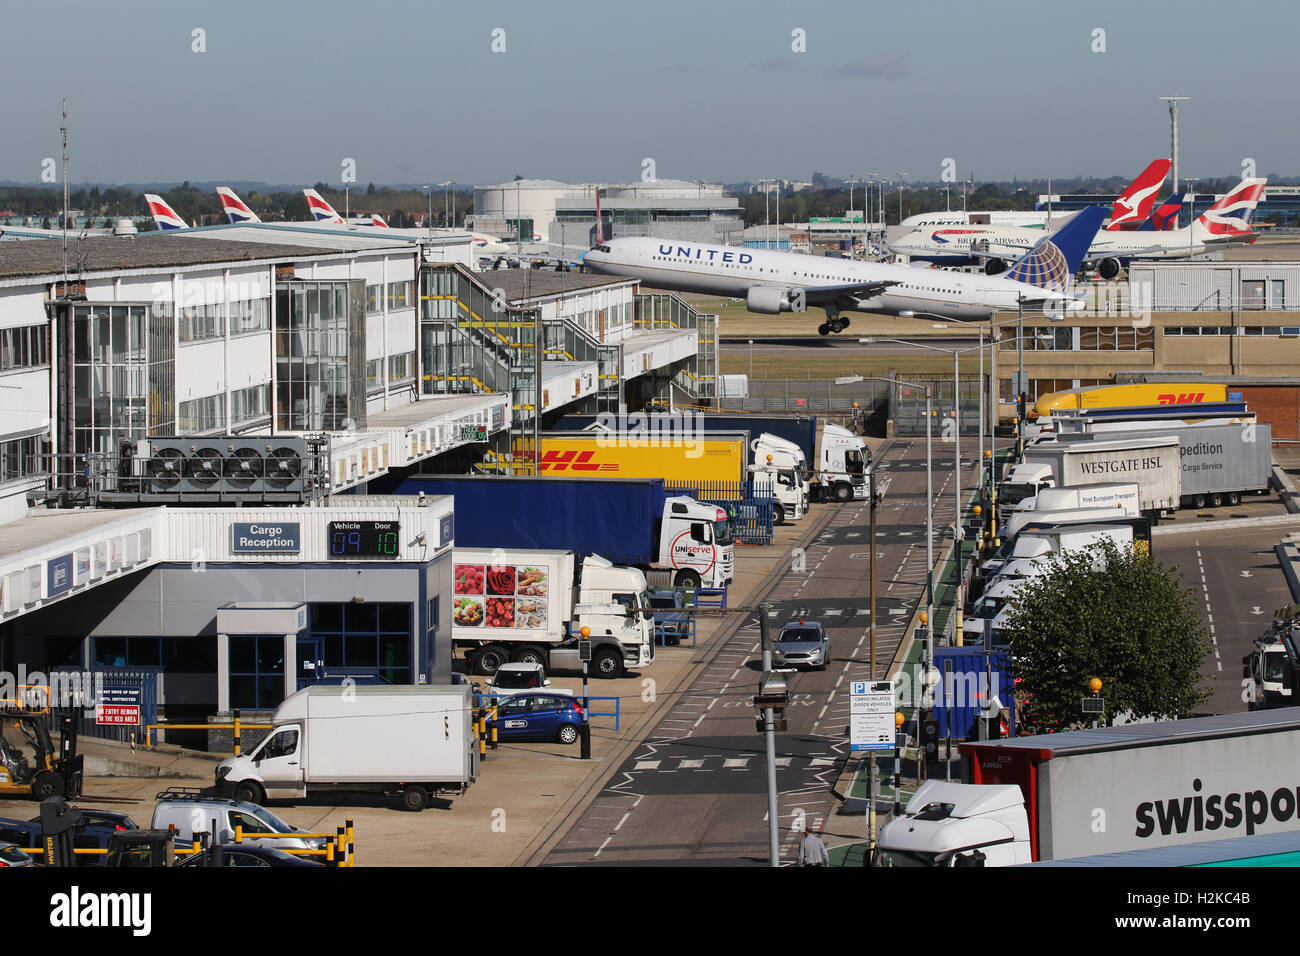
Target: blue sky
{"type": "Point", "coordinates": [584, 90]}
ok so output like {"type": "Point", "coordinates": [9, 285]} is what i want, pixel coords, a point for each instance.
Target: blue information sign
{"type": "Point", "coordinates": [265, 537]}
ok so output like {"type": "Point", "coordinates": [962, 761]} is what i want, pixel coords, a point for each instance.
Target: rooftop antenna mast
{"type": "Point", "coordinates": [64, 130]}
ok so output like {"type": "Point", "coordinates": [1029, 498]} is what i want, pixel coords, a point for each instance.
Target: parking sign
{"type": "Point", "coordinates": [871, 715]}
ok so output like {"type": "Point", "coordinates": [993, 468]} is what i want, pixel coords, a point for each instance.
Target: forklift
{"type": "Point", "coordinates": [126, 848]}
{"type": "Point", "coordinates": [30, 765]}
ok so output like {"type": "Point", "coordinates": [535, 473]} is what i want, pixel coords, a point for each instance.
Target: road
{"type": "Point", "coordinates": [695, 791]}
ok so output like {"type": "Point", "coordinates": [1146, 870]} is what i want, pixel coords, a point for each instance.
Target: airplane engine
{"type": "Point", "coordinates": [767, 299]}
{"type": "Point", "coordinates": [1108, 268]}
{"type": "Point", "coordinates": [994, 267]}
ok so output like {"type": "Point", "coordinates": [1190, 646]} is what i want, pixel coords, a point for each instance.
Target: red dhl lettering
{"type": "Point", "coordinates": [1181, 398]}
{"type": "Point", "coordinates": [573, 460]}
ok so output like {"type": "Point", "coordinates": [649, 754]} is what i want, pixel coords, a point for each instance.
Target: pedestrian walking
{"type": "Point", "coordinates": [812, 851]}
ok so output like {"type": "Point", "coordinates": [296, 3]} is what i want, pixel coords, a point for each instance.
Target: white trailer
{"type": "Point", "coordinates": [1151, 462]}
{"type": "Point", "coordinates": [527, 606]}
{"type": "Point", "coordinates": [404, 740]}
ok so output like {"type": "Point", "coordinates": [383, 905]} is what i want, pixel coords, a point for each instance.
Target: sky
{"type": "Point", "coordinates": [587, 91]}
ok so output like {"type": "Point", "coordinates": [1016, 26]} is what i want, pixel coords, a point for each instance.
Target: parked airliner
{"type": "Point", "coordinates": [774, 282]}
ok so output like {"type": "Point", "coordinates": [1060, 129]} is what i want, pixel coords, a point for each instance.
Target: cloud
{"type": "Point", "coordinates": [889, 65]}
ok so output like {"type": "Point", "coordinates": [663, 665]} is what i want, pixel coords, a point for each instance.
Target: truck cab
{"type": "Point", "coordinates": [1023, 481]}
{"type": "Point", "coordinates": [614, 602]}
{"type": "Point", "coordinates": [696, 542]}
{"type": "Point", "coordinates": [1274, 660]}
{"type": "Point", "coordinates": [843, 465]}
{"type": "Point", "coordinates": [958, 824]}
{"type": "Point", "coordinates": [780, 464]}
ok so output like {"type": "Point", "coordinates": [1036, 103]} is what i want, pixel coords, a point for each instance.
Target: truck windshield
{"type": "Point", "coordinates": [722, 532]}
{"type": "Point", "coordinates": [1274, 666]}
{"type": "Point", "coordinates": [1014, 494]}
{"type": "Point", "coordinates": [987, 608]}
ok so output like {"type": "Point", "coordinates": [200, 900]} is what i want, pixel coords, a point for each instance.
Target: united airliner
{"type": "Point", "coordinates": [775, 282]}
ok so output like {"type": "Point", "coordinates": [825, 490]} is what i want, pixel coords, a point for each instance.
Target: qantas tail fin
{"type": "Point", "coordinates": [164, 215]}
{"type": "Point", "coordinates": [321, 211]}
{"type": "Point", "coordinates": [236, 209]}
{"type": "Point", "coordinates": [1134, 204]}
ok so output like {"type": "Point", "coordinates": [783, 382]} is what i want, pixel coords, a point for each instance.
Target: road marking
{"type": "Point", "coordinates": [647, 765]}
{"type": "Point", "coordinates": [690, 765]}
{"type": "Point", "coordinates": [623, 821]}
{"type": "Point", "coordinates": [735, 763]}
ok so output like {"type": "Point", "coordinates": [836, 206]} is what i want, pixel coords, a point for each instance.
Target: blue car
{"type": "Point", "coordinates": [539, 716]}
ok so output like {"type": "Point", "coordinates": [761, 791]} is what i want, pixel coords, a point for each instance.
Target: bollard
{"type": "Point", "coordinates": [329, 854]}
{"type": "Point", "coordinates": [351, 847]}
{"type": "Point", "coordinates": [236, 732]}
{"type": "Point", "coordinates": [340, 841]}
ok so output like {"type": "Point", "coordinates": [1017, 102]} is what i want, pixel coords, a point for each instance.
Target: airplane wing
{"type": "Point", "coordinates": [857, 291]}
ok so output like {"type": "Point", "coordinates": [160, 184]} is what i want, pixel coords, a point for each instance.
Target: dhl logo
{"type": "Point", "coordinates": [1182, 398]}
{"type": "Point", "coordinates": [573, 461]}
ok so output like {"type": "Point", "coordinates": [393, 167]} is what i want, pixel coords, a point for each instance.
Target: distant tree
{"type": "Point", "coordinates": [370, 191]}
{"type": "Point", "coordinates": [1114, 614]}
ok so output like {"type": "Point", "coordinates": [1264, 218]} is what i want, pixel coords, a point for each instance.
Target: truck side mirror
{"type": "Point", "coordinates": [973, 858]}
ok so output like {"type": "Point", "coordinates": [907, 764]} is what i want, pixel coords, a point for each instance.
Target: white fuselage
{"type": "Point", "coordinates": [953, 243]}
{"type": "Point", "coordinates": [1028, 220]}
{"type": "Point", "coordinates": [734, 270]}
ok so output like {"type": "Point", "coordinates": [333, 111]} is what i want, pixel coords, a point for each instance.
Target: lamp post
{"type": "Point", "coordinates": [428, 223]}
{"type": "Point", "coordinates": [447, 192]}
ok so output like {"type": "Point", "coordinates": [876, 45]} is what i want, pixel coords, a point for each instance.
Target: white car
{"type": "Point", "coordinates": [511, 679]}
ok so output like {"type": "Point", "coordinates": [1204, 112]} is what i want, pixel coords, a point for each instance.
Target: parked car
{"type": "Point", "coordinates": [97, 827]}
{"type": "Point", "coordinates": [533, 715]}
{"type": "Point", "coordinates": [514, 678]}
{"type": "Point", "coordinates": [192, 812]}
{"type": "Point", "coordinates": [11, 854]}
{"type": "Point", "coordinates": [254, 856]}
{"type": "Point", "coordinates": [802, 644]}
{"type": "Point", "coordinates": [672, 618]}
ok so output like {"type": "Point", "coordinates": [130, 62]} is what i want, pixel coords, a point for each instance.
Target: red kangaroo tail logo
{"type": "Point", "coordinates": [1134, 204]}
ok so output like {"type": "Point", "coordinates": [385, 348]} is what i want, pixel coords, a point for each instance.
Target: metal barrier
{"type": "Point", "coordinates": [712, 599]}
{"type": "Point", "coordinates": [750, 509]}
{"type": "Point", "coordinates": [679, 635]}
{"type": "Point", "coordinates": [236, 725]}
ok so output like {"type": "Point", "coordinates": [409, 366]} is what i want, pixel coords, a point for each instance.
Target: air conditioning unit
{"type": "Point", "coordinates": [223, 466]}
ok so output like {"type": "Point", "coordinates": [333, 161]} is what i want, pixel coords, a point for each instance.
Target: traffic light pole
{"type": "Point", "coordinates": [769, 739]}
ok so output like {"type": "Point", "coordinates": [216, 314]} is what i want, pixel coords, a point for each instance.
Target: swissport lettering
{"type": "Point", "coordinates": [1216, 811]}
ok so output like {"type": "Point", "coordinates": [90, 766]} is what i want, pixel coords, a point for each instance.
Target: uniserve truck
{"type": "Point", "coordinates": [528, 607]}
{"type": "Point", "coordinates": [399, 740]}
{"type": "Point", "coordinates": [1086, 792]}
{"type": "Point", "coordinates": [629, 522]}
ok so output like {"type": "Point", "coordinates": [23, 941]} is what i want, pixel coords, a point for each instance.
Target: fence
{"type": "Point", "coordinates": [750, 509]}
{"type": "Point", "coordinates": [126, 701]}
{"type": "Point", "coordinates": [810, 395]}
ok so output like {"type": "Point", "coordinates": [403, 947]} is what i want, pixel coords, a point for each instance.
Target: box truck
{"type": "Point", "coordinates": [1086, 792]}
{"type": "Point", "coordinates": [399, 740]}
{"type": "Point", "coordinates": [1123, 497]}
{"type": "Point", "coordinates": [1033, 550]}
{"type": "Point", "coordinates": [1220, 462]}
{"type": "Point", "coordinates": [529, 606]}
{"type": "Point", "coordinates": [630, 522]}
{"type": "Point", "coordinates": [1151, 462]}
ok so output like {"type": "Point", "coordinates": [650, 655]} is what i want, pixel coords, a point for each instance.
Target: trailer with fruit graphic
{"type": "Point", "coordinates": [526, 606]}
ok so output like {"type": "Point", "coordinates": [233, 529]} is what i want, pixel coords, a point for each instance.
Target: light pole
{"type": "Point", "coordinates": [429, 221]}
{"type": "Point", "coordinates": [900, 199]}
{"type": "Point", "coordinates": [447, 187]}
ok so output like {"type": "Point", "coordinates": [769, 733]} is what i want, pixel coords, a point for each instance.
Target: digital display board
{"type": "Point", "coordinates": [364, 539]}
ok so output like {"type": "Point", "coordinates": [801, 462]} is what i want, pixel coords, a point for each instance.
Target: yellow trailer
{"type": "Point", "coordinates": [627, 455]}
{"type": "Point", "coordinates": [1131, 396]}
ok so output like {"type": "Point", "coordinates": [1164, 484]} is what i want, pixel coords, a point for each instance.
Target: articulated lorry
{"type": "Point", "coordinates": [529, 606]}
{"type": "Point", "coordinates": [1220, 462]}
{"type": "Point", "coordinates": [1123, 497]}
{"type": "Point", "coordinates": [1151, 462]}
{"type": "Point", "coordinates": [1033, 550]}
{"type": "Point", "coordinates": [839, 466]}
{"type": "Point", "coordinates": [626, 521]}
{"type": "Point", "coordinates": [1087, 792]}
{"type": "Point", "coordinates": [399, 740]}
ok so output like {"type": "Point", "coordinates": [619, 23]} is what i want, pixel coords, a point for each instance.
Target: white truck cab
{"type": "Point", "coordinates": [696, 542]}
{"type": "Point", "coordinates": [614, 601]}
{"type": "Point", "coordinates": [843, 465]}
{"type": "Point", "coordinates": [958, 824]}
{"type": "Point", "coordinates": [780, 463]}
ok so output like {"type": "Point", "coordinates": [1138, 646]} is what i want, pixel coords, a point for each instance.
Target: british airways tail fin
{"type": "Point", "coordinates": [1165, 216]}
{"type": "Point", "coordinates": [1053, 260]}
{"type": "Point", "coordinates": [1229, 218]}
{"type": "Point", "coordinates": [321, 211]}
{"type": "Point", "coordinates": [1134, 204]}
{"type": "Point", "coordinates": [164, 215]}
{"type": "Point", "coordinates": [378, 220]}
{"type": "Point", "coordinates": [236, 209]}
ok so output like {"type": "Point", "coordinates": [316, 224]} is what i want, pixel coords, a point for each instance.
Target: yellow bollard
{"type": "Point", "coordinates": [351, 847]}
{"type": "Point", "coordinates": [236, 733]}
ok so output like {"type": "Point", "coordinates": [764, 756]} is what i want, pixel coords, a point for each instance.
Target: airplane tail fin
{"type": "Point", "coordinates": [1134, 204]}
{"type": "Point", "coordinates": [1053, 260]}
{"type": "Point", "coordinates": [378, 220]}
{"type": "Point", "coordinates": [1230, 217]}
{"type": "Point", "coordinates": [321, 211]}
{"type": "Point", "coordinates": [1165, 217]}
{"type": "Point", "coordinates": [236, 209]}
{"type": "Point", "coordinates": [164, 215]}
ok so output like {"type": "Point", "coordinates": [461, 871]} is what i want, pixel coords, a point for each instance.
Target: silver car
{"type": "Point", "coordinates": [802, 644]}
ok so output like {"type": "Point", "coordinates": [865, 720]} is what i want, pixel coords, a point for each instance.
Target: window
{"type": "Point", "coordinates": [25, 347]}
{"type": "Point", "coordinates": [202, 415]}
{"type": "Point", "coordinates": [250, 315]}
{"type": "Point", "coordinates": [374, 298]}
{"type": "Point", "coordinates": [372, 637]}
{"type": "Point", "coordinates": [375, 375]}
{"type": "Point", "coordinates": [199, 322]}
{"type": "Point", "coordinates": [22, 458]}
{"type": "Point", "coordinates": [399, 295]}
{"type": "Point", "coordinates": [401, 368]}
{"type": "Point", "coordinates": [283, 744]}
{"type": "Point", "coordinates": [250, 404]}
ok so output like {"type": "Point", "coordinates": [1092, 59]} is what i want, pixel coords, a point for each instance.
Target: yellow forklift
{"type": "Point", "coordinates": [30, 764]}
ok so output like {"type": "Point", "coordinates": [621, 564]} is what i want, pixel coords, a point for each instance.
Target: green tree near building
{"type": "Point", "coordinates": [1116, 614]}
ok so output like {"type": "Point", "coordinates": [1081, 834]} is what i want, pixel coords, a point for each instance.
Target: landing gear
{"type": "Point", "coordinates": [834, 323]}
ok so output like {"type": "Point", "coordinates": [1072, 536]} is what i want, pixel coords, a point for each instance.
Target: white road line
{"type": "Point", "coordinates": [701, 720]}
{"type": "Point", "coordinates": [623, 821]}
{"type": "Point", "coordinates": [602, 846]}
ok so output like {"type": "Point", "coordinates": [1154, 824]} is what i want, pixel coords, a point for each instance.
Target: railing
{"type": "Point", "coordinates": [750, 509]}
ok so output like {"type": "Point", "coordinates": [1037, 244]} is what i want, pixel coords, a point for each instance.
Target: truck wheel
{"type": "Point", "coordinates": [488, 659]}
{"type": "Point", "coordinates": [687, 579]}
{"type": "Point", "coordinates": [568, 734]}
{"type": "Point", "coordinates": [841, 492]}
{"type": "Point", "coordinates": [607, 662]}
{"type": "Point", "coordinates": [778, 514]}
{"type": "Point", "coordinates": [415, 798]}
{"type": "Point", "coordinates": [248, 791]}
{"type": "Point", "coordinates": [1198, 501]}
{"type": "Point", "coordinates": [1234, 499]}
{"type": "Point", "coordinates": [46, 784]}
{"type": "Point", "coordinates": [1216, 500]}
{"type": "Point", "coordinates": [530, 655]}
